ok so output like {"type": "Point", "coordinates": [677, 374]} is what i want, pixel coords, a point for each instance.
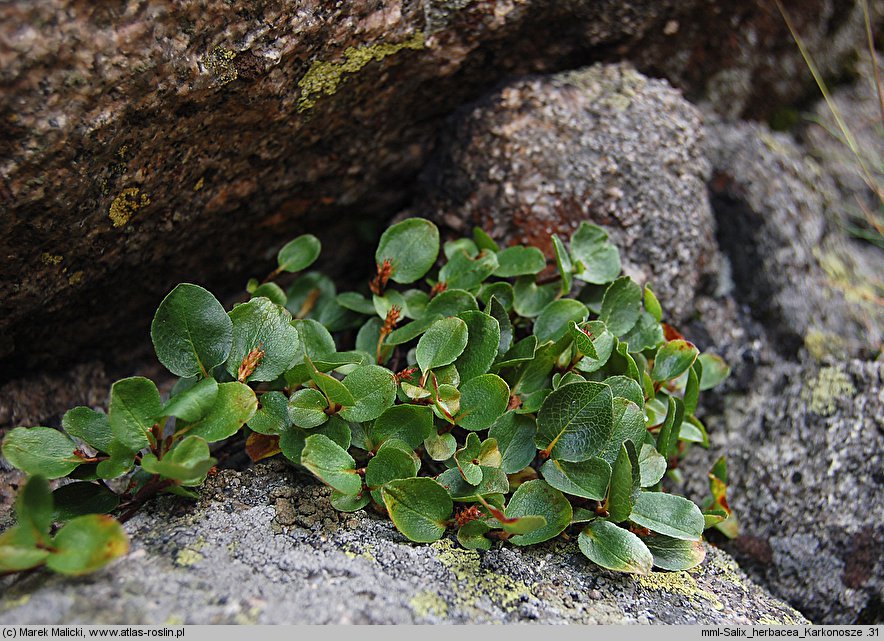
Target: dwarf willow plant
{"type": "Point", "coordinates": [482, 398]}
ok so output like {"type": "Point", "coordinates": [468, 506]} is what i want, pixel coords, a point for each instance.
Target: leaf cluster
{"type": "Point", "coordinates": [465, 388]}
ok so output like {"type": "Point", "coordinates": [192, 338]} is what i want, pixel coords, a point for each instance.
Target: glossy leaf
{"type": "Point", "coordinates": [442, 343]}
{"type": "Point", "coordinates": [483, 240]}
{"type": "Point", "coordinates": [409, 423]}
{"type": "Point", "coordinates": [135, 407]}
{"type": "Point", "coordinates": [645, 334]}
{"type": "Point", "coordinates": [629, 424]}
{"type": "Point", "coordinates": [588, 479]}
{"type": "Point", "coordinates": [334, 390]}
{"type": "Point", "coordinates": [651, 465]}
{"type": "Point", "coordinates": [411, 246]}
{"type": "Point", "coordinates": [621, 306]}
{"type": "Point", "coordinates": [552, 323]}
{"type": "Point", "coordinates": [521, 352]}
{"type": "Point", "coordinates": [538, 498]}
{"type": "Point", "coordinates": [41, 451]}
{"type": "Point", "coordinates": [519, 261]}
{"type": "Point", "coordinates": [715, 370]}
{"type": "Point", "coordinates": [194, 403]}
{"type": "Point", "coordinates": [673, 359]}
{"type": "Point", "coordinates": [274, 292]}
{"type": "Point", "coordinates": [188, 462]}
{"type": "Point", "coordinates": [514, 434]}
{"type": "Point", "coordinates": [502, 291]}
{"type": "Point", "coordinates": [299, 254]}
{"type": "Point", "coordinates": [505, 327]}
{"type": "Point", "coordinates": [465, 457]}
{"type": "Point", "coordinates": [463, 271]}
{"type": "Point", "coordinates": [356, 302]}
{"type": "Point", "coordinates": [349, 502]}
{"type": "Point", "coordinates": [272, 416]}
{"type": "Point", "coordinates": [411, 331]}
{"type": "Point", "coordinates": [395, 460]}
{"type": "Point", "coordinates": [331, 464]}
{"type": "Point", "coordinates": [598, 259]}
{"type": "Point", "coordinates": [472, 535]}
{"type": "Point", "coordinates": [451, 302]}
{"type": "Point", "coordinates": [582, 340]}
{"type": "Point", "coordinates": [614, 548]}
{"type": "Point", "coordinates": [493, 481]}
{"type": "Point", "coordinates": [33, 509]}
{"type": "Point", "coordinates": [306, 408]}
{"type": "Point", "coordinates": [91, 427]}
{"type": "Point", "coordinates": [373, 389]}
{"type": "Point", "coordinates": [668, 514]}
{"type": "Point", "coordinates": [234, 406]}
{"type": "Point", "coordinates": [531, 298]}
{"type": "Point", "coordinates": [625, 483]}
{"type": "Point", "coordinates": [263, 326]}
{"type": "Point", "coordinates": [440, 447]}
{"type": "Point", "coordinates": [603, 343]}
{"type": "Point", "coordinates": [419, 508]}
{"type": "Point", "coordinates": [652, 305]}
{"type": "Point", "coordinates": [483, 341]}
{"type": "Point", "coordinates": [675, 554]}
{"type": "Point", "coordinates": [191, 332]}
{"type": "Point", "coordinates": [563, 263]}
{"type": "Point", "coordinates": [667, 437]}
{"type": "Point", "coordinates": [483, 400]}
{"type": "Point", "coordinates": [575, 421]}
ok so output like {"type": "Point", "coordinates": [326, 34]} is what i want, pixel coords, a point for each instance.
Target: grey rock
{"type": "Point", "coordinates": [604, 144]}
{"type": "Point", "coordinates": [805, 469]}
{"type": "Point", "coordinates": [234, 558]}
{"type": "Point", "coordinates": [143, 142]}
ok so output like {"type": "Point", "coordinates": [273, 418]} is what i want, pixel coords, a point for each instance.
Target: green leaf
{"type": "Point", "coordinates": [588, 479]}
{"type": "Point", "coordinates": [272, 416]}
{"type": "Point", "coordinates": [442, 343]}
{"type": "Point", "coordinates": [472, 535]}
{"type": "Point", "coordinates": [627, 388]}
{"type": "Point", "coordinates": [452, 247]}
{"type": "Point", "coordinates": [17, 551]}
{"type": "Point", "coordinates": [135, 407]}
{"type": "Point", "coordinates": [41, 451]}
{"type": "Point", "coordinates": [409, 423]}
{"type": "Point", "coordinates": [614, 548]}
{"type": "Point", "coordinates": [530, 298]}
{"type": "Point", "coordinates": [519, 261]}
{"type": "Point", "coordinates": [465, 272]}
{"type": "Point", "coordinates": [502, 291]}
{"type": "Point", "coordinates": [191, 332]}
{"type": "Point", "coordinates": [91, 427]}
{"type": "Point", "coordinates": [419, 508]}
{"type": "Point", "coordinates": [411, 246]}
{"type": "Point", "coordinates": [446, 401]}
{"type": "Point", "coordinates": [299, 254]}
{"type": "Point", "coordinates": [356, 302]}
{"type": "Point", "coordinates": [483, 240]}
{"type": "Point", "coordinates": [464, 458]}
{"type": "Point", "coordinates": [264, 326]}
{"type": "Point", "coordinates": [622, 362]}
{"type": "Point", "coordinates": [272, 291]}
{"type": "Point", "coordinates": [373, 389]}
{"type": "Point", "coordinates": [651, 465]}
{"type": "Point", "coordinates": [625, 483]}
{"type": "Point", "coordinates": [667, 437]}
{"type": "Point", "coordinates": [675, 554]}
{"type": "Point", "coordinates": [538, 498]}
{"type": "Point", "coordinates": [673, 359]}
{"type": "Point", "coordinates": [440, 447]}
{"type": "Point", "coordinates": [451, 302]}
{"type": "Point", "coordinates": [316, 343]}
{"type": "Point", "coordinates": [629, 424]}
{"type": "Point", "coordinates": [621, 306]}
{"type": "Point", "coordinates": [410, 331]}
{"type": "Point", "coordinates": [188, 462]}
{"type": "Point", "coordinates": [80, 498]}
{"type": "Point", "coordinates": [575, 421]}
{"type": "Point", "coordinates": [504, 326]}
{"type": "Point", "coordinates": [563, 262]}
{"type": "Point", "coordinates": [349, 502]}
{"type": "Point", "coordinates": [234, 406]}
{"type": "Point", "coordinates": [582, 341]}
{"type": "Point", "coordinates": [331, 464]}
{"type": "Point", "coordinates": [715, 370]}
{"type": "Point", "coordinates": [121, 461]}
{"type": "Point", "coordinates": [33, 509]}
{"type": "Point", "coordinates": [394, 460]}
{"type": "Point", "coordinates": [334, 390]}
{"type": "Point", "coordinates": [306, 408]}
{"type": "Point", "coordinates": [521, 352]}
{"type": "Point", "coordinates": [552, 323]}
{"type": "Point", "coordinates": [86, 544]}
{"type": "Point", "coordinates": [194, 403]}
{"type": "Point", "coordinates": [599, 260]}
{"type": "Point", "coordinates": [493, 481]}
{"type": "Point", "coordinates": [383, 304]}
{"type": "Point", "coordinates": [668, 514]}
{"type": "Point", "coordinates": [483, 341]}
{"type": "Point", "coordinates": [692, 389]}
{"type": "Point", "coordinates": [291, 443]}
{"type": "Point", "coordinates": [645, 334]}
{"type": "Point", "coordinates": [483, 400]}
{"type": "Point", "coordinates": [514, 434]}
{"type": "Point", "coordinates": [652, 305]}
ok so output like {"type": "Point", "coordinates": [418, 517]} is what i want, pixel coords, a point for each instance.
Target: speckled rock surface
{"type": "Point", "coordinates": [146, 143]}
{"type": "Point", "coordinates": [604, 144]}
{"type": "Point", "coordinates": [264, 547]}
{"type": "Point", "coordinates": [809, 500]}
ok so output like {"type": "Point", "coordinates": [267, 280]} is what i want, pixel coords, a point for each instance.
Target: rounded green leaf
{"type": "Point", "coordinates": [89, 426]}
{"type": "Point", "coordinates": [349, 502]}
{"type": "Point", "coordinates": [272, 416]}
{"type": "Point", "coordinates": [530, 298]}
{"type": "Point", "coordinates": [483, 400]}
{"type": "Point", "coordinates": [514, 434]}
{"type": "Point", "coordinates": [262, 325]}
{"type": "Point", "coordinates": [483, 240]}
{"type": "Point", "coordinates": [651, 465]}
{"type": "Point", "coordinates": [188, 462]}
{"type": "Point", "coordinates": [621, 306]}
{"type": "Point", "coordinates": [626, 387]}
{"type": "Point", "coordinates": [331, 464]}
{"type": "Point", "coordinates": [234, 406]}
{"type": "Point", "coordinates": [410, 331]}
{"type": "Point", "coordinates": [17, 551]}
{"type": "Point", "coordinates": [603, 343]}
{"type": "Point", "coordinates": [442, 343]}
{"type": "Point", "coordinates": [80, 498]}
{"type": "Point", "coordinates": [373, 389]}
{"type": "Point", "coordinates": [552, 323]}
{"type": "Point", "coordinates": [272, 291]}
{"type": "Point", "coordinates": [409, 423]}
{"type": "Point", "coordinates": [299, 253]}
{"type": "Point", "coordinates": [440, 447]}
{"type": "Point", "coordinates": [135, 407]}
{"type": "Point", "coordinates": [356, 302]}
{"type": "Point", "coordinates": [291, 443]}
{"type": "Point", "coordinates": [411, 246]}
{"type": "Point", "coordinates": [334, 390]}
{"type": "Point", "coordinates": [191, 332]}
{"type": "Point", "coordinates": [472, 535]}
{"type": "Point", "coordinates": [493, 481]}
{"type": "Point", "coordinates": [652, 305]}
{"type": "Point", "coordinates": [519, 261]}
{"type": "Point", "coordinates": [538, 498]}
{"type": "Point", "coordinates": [588, 479]}
{"type": "Point", "coordinates": [647, 333]}
{"type": "Point", "coordinates": [463, 271]}
{"type": "Point", "coordinates": [598, 260]}
{"type": "Point", "coordinates": [575, 421]}
{"type": "Point", "coordinates": [715, 370]}
{"type": "Point", "coordinates": [41, 451]}
{"type": "Point", "coordinates": [307, 408]}
{"type": "Point", "coordinates": [419, 508]}
{"type": "Point", "coordinates": [502, 291]}
{"type": "Point", "coordinates": [33, 510]}
{"type": "Point", "coordinates": [675, 554]}
{"type": "Point", "coordinates": [483, 341]}
{"type": "Point", "coordinates": [614, 548]}
{"type": "Point", "coordinates": [673, 359]}
{"type": "Point", "coordinates": [451, 302]}
{"type": "Point", "coordinates": [390, 463]}
{"type": "Point", "coordinates": [86, 544]}
{"type": "Point", "coordinates": [668, 514]}
{"type": "Point", "coordinates": [193, 403]}
{"type": "Point", "coordinates": [629, 425]}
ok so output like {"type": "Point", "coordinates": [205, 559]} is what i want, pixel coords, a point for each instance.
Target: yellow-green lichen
{"type": "Point", "coordinates": [426, 604]}
{"type": "Point", "coordinates": [829, 386]}
{"type": "Point", "coordinates": [822, 345]}
{"type": "Point", "coordinates": [219, 63]}
{"type": "Point", "coordinates": [365, 552]}
{"type": "Point", "coordinates": [727, 570]}
{"type": "Point", "coordinates": [76, 278]}
{"type": "Point", "coordinates": [188, 557]}
{"type": "Point", "coordinates": [199, 184]}
{"type": "Point", "coordinates": [17, 602]}
{"type": "Point", "coordinates": [126, 204]}
{"type": "Point", "coordinates": [473, 583]}
{"type": "Point", "coordinates": [787, 619]}
{"type": "Point", "coordinates": [323, 78]}
{"type": "Point", "coordinates": [681, 583]}
{"type": "Point", "coordinates": [174, 619]}
{"type": "Point", "coordinates": [50, 259]}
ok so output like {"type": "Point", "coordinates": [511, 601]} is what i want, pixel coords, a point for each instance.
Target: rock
{"type": "Point", "coordinates": [805, 469]}
{"type": "Point", "coordinates": [791, 268]}
{"type": "Point", "coordinates": [145, 144]}
{"type": "Point", "coordinates": [230, 559]}
{"type": "Point", "coordinates": [604, 144]}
